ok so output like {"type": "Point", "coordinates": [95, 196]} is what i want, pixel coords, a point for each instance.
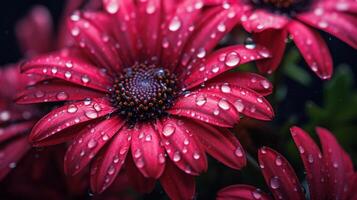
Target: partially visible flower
{"type": "Point", "coordinates": [329, 173]}
{"type": "Point", "coordinates": [35, 35]}
{"type": "Point", "coordinates": [143, 90]}
{"type": "Point", "coordinates": [272, 21]}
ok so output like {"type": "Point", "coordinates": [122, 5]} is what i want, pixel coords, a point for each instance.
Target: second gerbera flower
{"type": "Point", "coordinates": [142, 80]}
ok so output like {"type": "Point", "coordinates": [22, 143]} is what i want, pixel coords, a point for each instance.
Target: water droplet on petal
{"type": "Point", "coordinates": [196, 155]}
{"type": "Point", "coordinates": [201, 100]}
{"type": "Point", "coordinates": [223, 104]}
{"type": "Point", "coordinates": [238, 152]}
{"type": "Point", "coordinates": [274, 182]}
{"type": "Point", "coordinates": [91, 114]}
{"type": "Point", "coordinates": [168, 130]}
{"type": "Point", "coordinates": [175, 24]}
{"type": "Point", "coordinates": [232, 59]}
{"type": "Point", "coordinates": [278, 161]}
{"type": "Point", "coordinates": [62, 96]}
{"type": "Point", "coordinates": [92, 143]}
{"type": "Point", "coordinates": [177, 156]}
{"type": "Point", "coordinates": [225, 88]}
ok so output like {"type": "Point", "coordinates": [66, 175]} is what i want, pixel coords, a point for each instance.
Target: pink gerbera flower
{"type": "Point", "coordinates": [329, 174]}
{"type": "Point", "coordinates": [143, 92]}
{"type": "Point", "coordinates": [272, 21]}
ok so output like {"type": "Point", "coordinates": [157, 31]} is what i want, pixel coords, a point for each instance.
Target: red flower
{"type": "Point", "coordinates": [35, 36]}
{"type": "Point", "coordinates": [330, 174]}
{"type": "Point", "coordinates": [143, 79]}
{"type": "Point", "coordinates": [272, 21]}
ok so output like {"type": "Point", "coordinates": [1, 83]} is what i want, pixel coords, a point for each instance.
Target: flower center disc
{"type": "Point", "coordinates": [143, 93]}
{"type": "Point", "coordinates": [280, 3]}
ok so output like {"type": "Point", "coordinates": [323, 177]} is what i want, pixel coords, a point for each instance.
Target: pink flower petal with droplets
{"type": "Point", "coordinates": [98, 43]}
{"type": "Point", "coordinates": [208, 33]}
{"type": "Point", "coordinates": [260, 20]}
{"type": "Point", "coordinates": [179, 22]}
{"type": "Point", "coordinates": [207, 108]}
{"type": "Point", "coordinates": [336, 173]}
{"type": "Point", "coordinates": [14, 130]}
{"type": "Point", "coordinates": [89, 142]}
{"type": "Point", "coordinates": [150, 13]}
{"type": "Point", "coordinates": [126, 32]}
{"type": "Point", "coordinates": [55, 90]}
{"type": "Point", "coordinates": [181, 146]}
{"type": "Point", "coordinates": [151, 163]}
{"type": "Point", "coordinates": [338, 24]}
{"type": "Point", "coordinates": [69, 115]}
{"type": "Point", "coordinates": [241, 192]}
{"type": "Point", "coordinates": [313, 48]}
{"type": "Point", "coordinates": [279, 175]}
{"type": "Point", "coordinates": [221, 61]}
{"type": "Point", "coordinates": [69, 69]}
{"type": "Point", "coordinates": [274, 40]}
{"type": "Point", "coordinates": [244, 100]}
{"type": "Point", "coordinates": [249, 80]}
{"type": "Point", "coordinates": [313, 162]}
{"type": "Point", "coordinates": [110, 160]}
{"type": "Point", "coordinates": [176, 183]}
{"type": "Point", "coordinates": [11, 153]}
{"type": "Point", "coordinates": [219, 143]}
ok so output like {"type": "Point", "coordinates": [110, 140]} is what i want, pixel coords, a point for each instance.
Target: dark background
{"type": "Point", "coordinates": [293, 104]}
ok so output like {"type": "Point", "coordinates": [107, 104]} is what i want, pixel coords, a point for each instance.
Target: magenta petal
{"type": "Point", "coordinates": [182, 147]}
{"type": "Point", "coordinates": [70, 69]}
{"type": "Point", "coordinates": [279, 175]}
{"type": "Point", "coordinates": [14, 130]}
{"type": "Point", "coordinates": [177, 184]}
{"type": "Point", "coordinates": [147, 153]}
{"type": "Point", "coordinates": [150, 13]}
{"type": "Point", "coordinates": [110, 160]}
{"type": "Point", "coordinates": [11, 153]}
{"type": "Point", "coordinates": [89, 142]}
{"type": "Point", "coordinates": [55, 90]}
{"type": "Point", "coordinates": [249, 80]}
{"type": "Point", "coordinates": [336, 165]}
{"type": "Point", "coordinates": [207, 108]}
{"type": "Point", "coordinates": [126, 32]}
{"type": "Point", "coordinates": [221, 61]}
{"type": "Point", "coordinates": [261, 20]}
{"type": "Point", "coordinates": [69, 115]}
{"type": "Point", "coordinates": [348, 7]}
{"type": "Point", "coordinates": [136, 178]}
{"type": "Point", "coordinates": [313, 163]}
{"type": "Point", "coordinates": [313, 48]}
{"type": "Point", "coordinates": [274, 40]}
{"type": "Point", "coordinates": [219, 143]}
{"type": "Point", "coordinates": [211, 29]}
{"type": "Point", "coordinates": [99, 43]}
{"type": "Point", "coordinates": [241, 192]}
{"type": "Point", "coordinates": [34, 32]}
{"type": "Point", "coordinates": [342, 26]}
{"type": "Point", "coordinates": [244, 100]}
{"type": "Point", "coordinates": [178, 24]}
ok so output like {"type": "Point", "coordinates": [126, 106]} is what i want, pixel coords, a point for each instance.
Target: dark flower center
{"type": "Point", "coordinates": [288, 7]}
{"type": "Point", "coordinates": [280, 3]}
{"type": "Point", "coordinates": [143, 93]}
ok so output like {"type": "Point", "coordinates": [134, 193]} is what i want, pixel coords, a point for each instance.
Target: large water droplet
{"type": "Point", "coordinates": [91, 114]}
{"type": "Point", "coordinates": [201, 100]}
{"type": "Point", "coordinates": [232, 59]}
{"type": "Point", "coordinates": [175, 24]}
{"type": "Point", "coordinates": [274, 182]}
{"type": "Point", "coordinates": [168, 130]}
{"type": "Point", "coordinates": [223, 104]}
{"type": "Point", "coordinates": [92, 143]}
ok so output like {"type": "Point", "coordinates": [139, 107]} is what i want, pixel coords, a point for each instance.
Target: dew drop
{"type": "Point", "coordinates": [223, 104]}
{"type": "Point", "coordinates": [177, 156]}
{"type": "Point", "coordinates": [196, 155]}
{"type": "Point", "coordinates": [232, 59]}
{"type": "Point", "coordinates": [62, 96]}
{"type": "Point", "coordinates": [91, 114]}
{"type": "Point", "coordinates": [168, 130]}
{"type": "Point", "coordinates": [175, 24]}
{"type": "Point", "coordinates": [201, 100]}
{"type": "Point", "coordinates": [225, 88]}
{"type": "Point", "coordinates": [274, 182]}
{"type": "Point", "coordinates": [278, 161]}
{"type": "Point", "coordinates": [92, 143]}
{"type": "Point", "coordinates": [238, 152]}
